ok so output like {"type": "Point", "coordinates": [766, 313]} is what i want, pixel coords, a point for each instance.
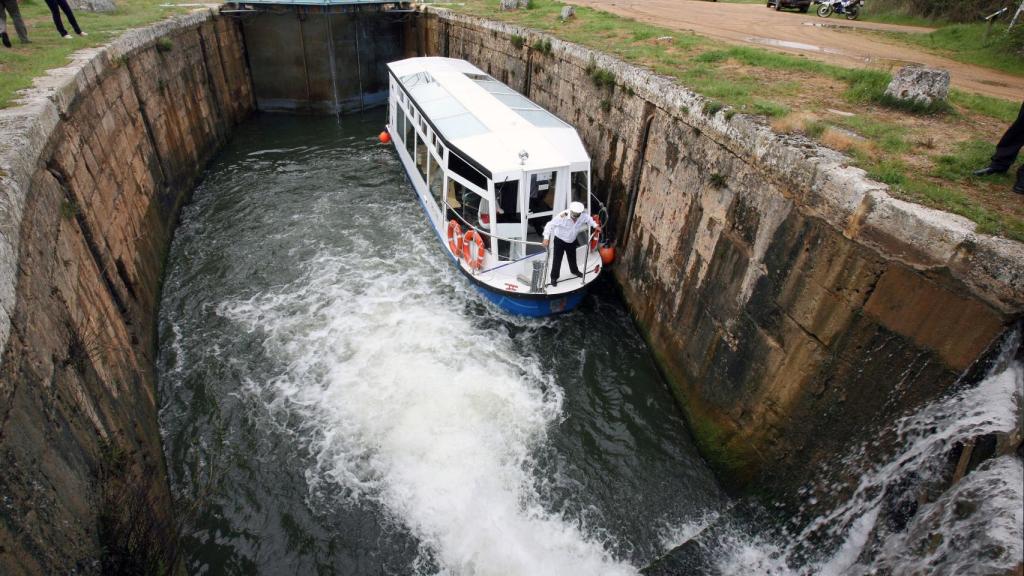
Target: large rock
{"type": "Point", "coordinates": [94, 5]}
{"type": "Point", "coordinates": [919, 84]}
{"type": "Point", "coordinates": [567, 12]}
{"type": "Point", "coordinates": [509, 4]}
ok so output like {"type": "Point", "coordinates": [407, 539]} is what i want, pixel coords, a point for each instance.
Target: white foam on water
{"type": "Point", "coordinates": [974, 527]}
{"type": "Point", "coordinates": [403, 398]}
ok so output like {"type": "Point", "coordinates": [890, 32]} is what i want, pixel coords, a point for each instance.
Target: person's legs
{"type": "Point", "coordinates": [1018, 186]}
{"type": "Point", "coordinates": [55, 12]}
{"type": "Point", "coordinates": [19, 22]}
{"type": "Point", "coordinates": [1010, 144]}
{"type": "Point", "coordinates": [3, 27]}
{"type": "Point", "coordinates": [556, 262]}
{"type": "Point", "coordinates": [71, 15]}
{"type": "Point", "coordinates": [571, 256]}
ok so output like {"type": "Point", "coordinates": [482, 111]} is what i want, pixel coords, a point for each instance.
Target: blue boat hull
{"type": "Point", "coordinates": [533, 306]}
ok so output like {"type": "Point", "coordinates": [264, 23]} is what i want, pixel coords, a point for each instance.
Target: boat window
{"type": "Point", "coordinates": [516, 101]}
{"type": "Point", "coordinates": [408, 136]}
{"type": "Point", "coordinates": [459, 166]}
{"type": "Point", "coordinates": [507, 195]}
{"type": "Point", "coordinates": [436, 179]}
{"type": "Point", "coordinates": [464, 202]}
{"type": "Point", "coordinates": [542, 198]}
{"type": "Point", "coordinates": [421, 157]}
{"type": "Point", "coordinates": [541, 118]}
{"type": "Point", "coordinates": [461, 126]}
{"type": "Point", "coordinates": [579, 187]}
{"type": "Point", "coordinates": [400, 122]}
{"type": "Point", "coordinates": [542, 192]}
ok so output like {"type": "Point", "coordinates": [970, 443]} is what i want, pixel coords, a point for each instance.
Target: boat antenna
{"type": "Point", "coordinates": [523, 156]}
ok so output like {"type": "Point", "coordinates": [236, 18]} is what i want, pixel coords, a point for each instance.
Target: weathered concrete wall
{"type": "Point", "coordinates": [793, 303]}
{"type": "Point", "coordinates": [313, 59]}
{"type": "Point", "coordinates": [94, 164]}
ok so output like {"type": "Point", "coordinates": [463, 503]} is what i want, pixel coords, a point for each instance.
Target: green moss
{"type": "Point", "coordinates": [711, 107]}
{"type": "Point", "coordinates": [68, 209]}
{"type": "Point", "coordinates": [716, 446]}
{"type": "Point", "coordinates": [543, 46]}
{"type": "Point", "coordinates": [518, 41]}
{"type": "Point", "coordinates": [717, 180]}
{"type": "Point", "coordinates": [602, 78]}
{"type": "Point", "coordinates": [164, 44]}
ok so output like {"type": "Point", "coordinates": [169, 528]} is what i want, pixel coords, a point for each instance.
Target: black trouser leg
{"type": "Point", "coordinates": [561, 248]}
{"type": "Point", "coordinates": [55, 12]}
{"type": "Point", "coordinates": [71, 15]}
{"type": "Point", "coordinates": [1010, 144]}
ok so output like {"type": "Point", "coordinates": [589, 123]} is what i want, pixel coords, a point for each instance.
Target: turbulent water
{"type": "Point", "coordinates": [337, 399]}
{"type": "Point", "coordinates": [901, 514]}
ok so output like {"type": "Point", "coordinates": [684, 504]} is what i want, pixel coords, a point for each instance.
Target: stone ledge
{"type": "Point", "coordinates": [28, 127]}
{"type": "Point", "coordinates": [822, 182]}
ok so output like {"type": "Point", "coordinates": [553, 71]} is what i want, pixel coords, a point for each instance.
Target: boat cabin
{"type": "Point", "coordinates": [486, 155]}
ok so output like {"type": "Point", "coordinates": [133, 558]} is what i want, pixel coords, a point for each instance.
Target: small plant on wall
{"type": "Point", "coordinates": [164, 44]}
{"type": "Point", "coordinates": [518, 41]}
{"type": "Point", "coordinates": [543, 46]}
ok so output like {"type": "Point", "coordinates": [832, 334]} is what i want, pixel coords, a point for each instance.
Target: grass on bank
{"type": "Point", "coordinates": [20, 64]}
{"type": "Point", "coordinates": [968, 43]}
{"type": "Point", "coordinates": [919, 153]}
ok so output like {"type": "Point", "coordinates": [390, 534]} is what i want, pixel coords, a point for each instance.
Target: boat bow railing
{"type": "Point", "coordinates": [525, 244]}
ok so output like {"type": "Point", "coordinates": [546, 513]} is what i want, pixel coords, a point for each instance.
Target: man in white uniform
{"type": "Point", "coordinates": [565, 226]}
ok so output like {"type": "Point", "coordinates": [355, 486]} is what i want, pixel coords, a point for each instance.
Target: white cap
{"type": "Point", "coordinates": [577, 208]}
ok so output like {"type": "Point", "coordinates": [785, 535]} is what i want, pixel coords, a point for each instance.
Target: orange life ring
{"type": "Point", "coordinates": [596, 234]}
{"type": "Point", "coordinates": [455, 238]}
{"type": "Point", "coordinates": [474, 258]}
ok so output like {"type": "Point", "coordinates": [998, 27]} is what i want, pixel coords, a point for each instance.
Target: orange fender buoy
{"type": "Point", "coordinates": [607, 255]}
{"type": "Point", "coordinates": [384, 137]}
{"type": "Point", "coordinates": [595, 236]}
{"type": "Point", "coordinates": [455, 238]}
{"type": "Point", "coordinates": [473, 249]}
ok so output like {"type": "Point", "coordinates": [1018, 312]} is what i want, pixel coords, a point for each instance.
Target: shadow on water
{"type": "Point", "coordinates": [336, 399]}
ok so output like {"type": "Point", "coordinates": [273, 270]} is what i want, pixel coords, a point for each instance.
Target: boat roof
{"type": "Point", "coordinates": [486, 120]}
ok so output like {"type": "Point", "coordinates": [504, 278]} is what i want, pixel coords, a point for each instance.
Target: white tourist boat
{"type": "Point", "coordinates": [491, 168]}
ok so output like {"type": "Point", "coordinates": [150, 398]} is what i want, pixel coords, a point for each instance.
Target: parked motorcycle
{"type": "Point", "coordinates": [850, 8]}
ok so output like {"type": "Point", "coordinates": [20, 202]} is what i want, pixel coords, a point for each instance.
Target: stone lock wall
{"type": "Point", "coordinates": [95, 161]}
{"type": "Point", "coordinates": [793, 304]}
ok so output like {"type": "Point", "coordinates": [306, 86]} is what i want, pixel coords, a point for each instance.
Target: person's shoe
{"type": "Point", "coordinates": [988, 171]}
{"type": "Point", "coordinates": [83, 33]}
{"type": "Point", "coordinates": [578, 274]}
{"type": "Point", "coordinates": [5, 39]}
{"type": "Point", "coordinates": [1018, 186]}
{"type": "Point", "coordinates": [66, 36]}
{"type": "Point", "coordinates": [554, 283]}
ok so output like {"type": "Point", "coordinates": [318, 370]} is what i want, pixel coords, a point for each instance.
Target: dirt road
{"type": "Point", "coordinates": [829, 39]}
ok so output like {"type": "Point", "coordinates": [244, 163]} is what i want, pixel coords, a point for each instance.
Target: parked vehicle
{"type": "Point", "coordinates": [850, 8]}
{"type": "Point", "coordinates": [802, 5]}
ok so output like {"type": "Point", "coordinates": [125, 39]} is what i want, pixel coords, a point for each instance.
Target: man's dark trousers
{"type": "Point", "coordinates": [55, 7]}
{"type": "Point", "coordinates": [11, 6]}
{"type": "Point", "coordinates": [1009, 146]}
{"type": "Point", "coordinates": [561, 247]}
